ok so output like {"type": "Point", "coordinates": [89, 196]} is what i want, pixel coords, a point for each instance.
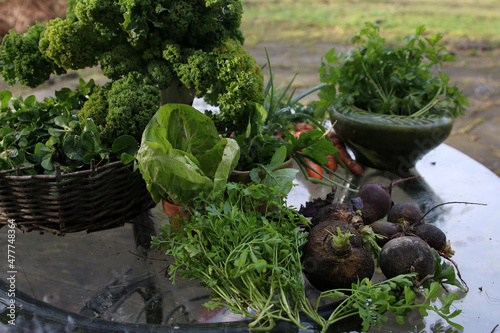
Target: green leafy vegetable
{"type": "Point", "coordinates": [37, 135]}
{"type": "Point", "coordinates": [21, 58]}
{"type": "Point", "coordinates": [181, 155]}
{"type": "Point", "coordinates": [268, 129]}
{"type": "Point", "coordinates": [197, 43]}
{"type": "Point", "coordinates": [445, 273]}
{"type": "Point", "coordinates": [238, 90]}
{"type": "Point", "coordinates": [391, 80]}
{"type": "Point", "coordinates": [250, 260]}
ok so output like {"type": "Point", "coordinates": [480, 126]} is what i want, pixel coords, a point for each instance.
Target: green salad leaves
{"type": "Point", "coordinates": [182, 155]}
{"type": "Point", "coordinates": [38, 135]}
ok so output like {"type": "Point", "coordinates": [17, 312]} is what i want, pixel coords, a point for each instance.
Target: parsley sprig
{"type": "Point", "coordinates": [371, 301]}
{"type": "Point", "coordinates": [407, 80]}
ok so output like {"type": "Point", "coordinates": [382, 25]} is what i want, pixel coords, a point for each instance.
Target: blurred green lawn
{"type": "Point", "coordinates": [334, 21]}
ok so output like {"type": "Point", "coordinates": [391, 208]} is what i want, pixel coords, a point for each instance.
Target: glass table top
{"type": "Point", "coordinates": [111, 280]}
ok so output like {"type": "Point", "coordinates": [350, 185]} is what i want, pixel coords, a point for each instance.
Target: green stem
{"type": "Point", "coordinates": [377, 88]}
{"type": "Point", "coordinates": [306, 93]}
{"type": "Point", "coordinates": [429, 105]}
{"type": "Point", "coordinates": [263, 310]}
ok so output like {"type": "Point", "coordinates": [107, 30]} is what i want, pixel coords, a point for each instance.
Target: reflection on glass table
{"type": "Point", "coordinates": [112, 281]}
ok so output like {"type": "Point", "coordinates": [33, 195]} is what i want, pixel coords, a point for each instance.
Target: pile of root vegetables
{"type": "Point", "coordinates": [346, 242]}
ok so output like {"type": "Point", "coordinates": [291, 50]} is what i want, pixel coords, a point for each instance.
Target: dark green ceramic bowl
{"type": "Point", "coordinates": [388, 142]}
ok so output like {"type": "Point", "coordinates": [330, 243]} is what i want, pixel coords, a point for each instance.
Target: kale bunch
{"type": "Point", "coordinates": [122, 107]}
{"type": "Point", "coordinates": [157, 42]}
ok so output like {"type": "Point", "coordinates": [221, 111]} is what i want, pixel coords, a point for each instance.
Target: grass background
{"type": "Point", "coordinates": [327, 21]}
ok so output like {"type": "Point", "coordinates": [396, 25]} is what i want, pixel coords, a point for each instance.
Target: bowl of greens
{"type": "Point", "coordinates": [391, 104]}
{"type": "Point", "coordinates": [389, 142]}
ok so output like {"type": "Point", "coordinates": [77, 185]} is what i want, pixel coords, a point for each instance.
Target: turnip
{"type": "Point", "coordinates": [337, 211]}
{"type": "Point", "coordinates": [386, 229]}
{"type": "Point", "coordinates": [406, 213]}
{"type": "Point", "coordinates": [333, 256]}
{"type": "Point", "coordinates": [432, 235]}
{"type": "Point", "coordinates": [374, 201]}
{"type": "Point", "coordinates": [407, 254]}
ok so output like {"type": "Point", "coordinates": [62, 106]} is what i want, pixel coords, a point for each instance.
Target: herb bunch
{"type": "Point", "coordinates": [392, 80]}
{"type": "Point", "coordinates": [371, 302]}
{"type": "Point", "coordinates": [245, 247]}
{"type": "Point", "coordinates": [270, 128]}
{"type": "Point", "coordinates": [270, 122]}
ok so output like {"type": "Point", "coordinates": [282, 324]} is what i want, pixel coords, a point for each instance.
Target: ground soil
{"type": "Point", "coordinates": [476, 71]}
{"type": "Point", "coordinates": [19, 14]}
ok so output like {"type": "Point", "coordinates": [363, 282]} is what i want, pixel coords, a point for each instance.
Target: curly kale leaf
{"type": "Point", "coordinates": [238, 89]}
{"type": "Point", "coordinates": [120, 60]}
{"type": "Point", "coordinates": [120, 107]}
{"type": "Point", "coordinates": [201, 25]}
{"type": "Point", "coordinates": [198, 43]}
{"type": "Point", "coordinates": [198, 72]}
{"type": "Point", "coordinates": [133, 100]}
{"type": "Point", "coordinates": [161, 73]}
{"type": "Point", "coordinates": [105, 15]}
{"type": "Point", "coordinates": [96, 107]}
{"type": "Point", "coordinates": [21, 59]}
{"type": "Point", "coordinates": [72, 45]}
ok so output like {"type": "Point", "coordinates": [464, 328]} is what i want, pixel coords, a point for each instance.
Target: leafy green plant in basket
{"type": "Point", "coordinates": [378, 78]}
{"type": "Point", "coordinates": [251, 260]}
{"type": "Point", "coordinates": [35, 136]}
{"type": "Point", "coordinates": [182, 154]}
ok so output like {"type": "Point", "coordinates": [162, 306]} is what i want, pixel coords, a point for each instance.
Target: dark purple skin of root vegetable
{"type": "Point", "coordinates": [387, 229]}
{"type": "Point", "coordinates": [337, 211]}
{"type": "Point", "coordinates": [431, 234]}
{"type": "Point", "coordinates": [373, 201]}
{"type": "Point", "coordinates": [406, 213]}
{"type": "Point", "coordinates": [333, 272]}
{"type": "Point", "coordinates": [407, 254]}
{"type": "Point", "coordinates": [328, 266]}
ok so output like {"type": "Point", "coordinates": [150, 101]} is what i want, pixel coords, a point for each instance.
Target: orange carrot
{"type": "Point", "coordinates": [351, 164]}
{"type": "Point", "coordinates": [313, 166]}
{"type": "Point", "coordinates": [332, 163]}
{"type": "Point", "coordinates": [297, 134]}
{"type": "Point", "coordinates": [303, 127]}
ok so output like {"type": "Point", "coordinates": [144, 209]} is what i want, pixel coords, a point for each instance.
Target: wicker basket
{"type": "Point", "coordinates": [95, 199]}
